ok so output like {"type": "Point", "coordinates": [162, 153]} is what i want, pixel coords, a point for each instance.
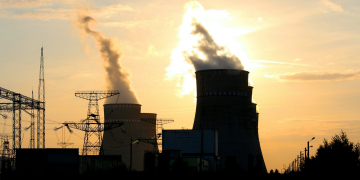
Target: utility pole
{"type": "Point", "coordinates": [300, 160]}
{"type": "Point", "coordinates": [308, 147]}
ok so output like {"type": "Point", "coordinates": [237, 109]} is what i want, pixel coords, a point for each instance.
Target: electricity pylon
{"type": "Point", "coordinates": [41, 111]}
{"type": "Point", "coordinates": [92, 125]}
{"type": "Point", "coordinates": [19, 103]}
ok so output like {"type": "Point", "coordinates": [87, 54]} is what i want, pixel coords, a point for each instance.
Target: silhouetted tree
{"type": "Point", "coordinates": [339, 156]}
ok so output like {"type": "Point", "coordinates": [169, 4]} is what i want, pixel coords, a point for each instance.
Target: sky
{"type": "Point", "coordinates": [303, 59]}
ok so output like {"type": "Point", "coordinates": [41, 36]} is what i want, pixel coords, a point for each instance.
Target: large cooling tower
{"type": "Point", "coordinates": [224, 103]}
{"type": "Point", "coordinates": [118, 141]}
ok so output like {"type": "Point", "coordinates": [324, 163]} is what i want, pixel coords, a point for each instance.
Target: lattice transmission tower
{"type": "Point", "coordinates": [41, 111]}
{"type": "Point", "coordinates": [91, 125]}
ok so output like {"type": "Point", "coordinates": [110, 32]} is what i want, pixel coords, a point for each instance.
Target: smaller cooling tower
{"type": "Point", "coordinates": [118, 141]}
{"type": "Point", "coordinates": [148, 126]}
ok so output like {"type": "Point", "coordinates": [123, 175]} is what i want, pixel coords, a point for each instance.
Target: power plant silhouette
{"type": "Point", "coordinates": [224, 106]}
{"type": "Point", "coordinates": [224, 103]}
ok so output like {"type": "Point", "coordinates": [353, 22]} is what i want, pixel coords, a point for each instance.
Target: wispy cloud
{"type": "Point", "coordinates": [332, 6]}
{"type": "Point", "coordinates": [127, 24]}
{"type": "Point", "coordinates": [42, 14]}
{"type": "Point", "coordinates": [315, 76]}
{"type": "Point", "coordinates": [44, 9]}
{"type": "Point", "coordinates": [278, 62]}
{"type": "Point", "coordinates": [24, 3]}
{"type": "Point", "coordinates": [109, 11]}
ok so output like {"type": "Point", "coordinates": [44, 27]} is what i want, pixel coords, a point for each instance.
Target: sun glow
{"type": "Point", "coordinates": [218, 24]}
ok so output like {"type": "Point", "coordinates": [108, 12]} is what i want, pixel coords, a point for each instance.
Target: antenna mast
{"type": "Point", "coordinates": [41, 111]}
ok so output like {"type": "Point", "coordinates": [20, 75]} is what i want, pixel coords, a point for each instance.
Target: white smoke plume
{"type": "Point", "coordinates": [117, 77]}
{"type": "Point", "coordinates": [198, 49]}
{"type": "Point", "coordinates": [214, 56]}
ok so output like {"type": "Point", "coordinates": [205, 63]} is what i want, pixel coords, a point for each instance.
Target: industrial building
{"type": "Point", "coordinates": [49, 161]}
{"type": "Point", "coordinates": [193, 146]}
{"type": "Point", "coordinates": [134, 138]}
{"type": "Point", "coordinates": [224, 104]}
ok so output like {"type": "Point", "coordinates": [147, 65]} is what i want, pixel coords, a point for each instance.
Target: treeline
{"type": "Point", "coordinates": [338, 157]}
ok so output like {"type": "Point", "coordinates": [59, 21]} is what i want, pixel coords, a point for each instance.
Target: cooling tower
{"type": "Point", "coordinates": [224, 103]}
{"type": "Point", "coordinates": [132, 135]}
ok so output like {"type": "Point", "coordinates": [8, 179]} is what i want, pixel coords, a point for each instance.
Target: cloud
{"type": "Point", "coordinates": [127, 24]}
{"type": "Point", "coordinates": [17, 4]}
{"type": "Point", "coordinates": [332, 6]}
{"type": "Point", "coordinates": [43, 10]}
{"type": "Point", "coordinates": [109, 11]}
{"type": "Point", "coordinates": [279, 63]}
{"type": "Point", "coordinates": [24, 3]}
{"type": "Point", "coordinates": [41, 14]}
{"type": "Point", "coordinates": [315, 76]}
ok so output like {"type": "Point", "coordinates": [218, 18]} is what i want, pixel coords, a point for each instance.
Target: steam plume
{"type": "Point", "coordinates": [197, 49]}
{"type": "Point", "coordinates": [215, 56]}
{"type": "Point", "coordinates": [117, 77]}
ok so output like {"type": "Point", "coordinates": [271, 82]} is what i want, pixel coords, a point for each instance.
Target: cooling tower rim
{"type": "Point", "coordinates": [148, 113]}
{"type": "Point", "coordinates": [221, 70]}
{"type": "Point", "coordinates": [122, 104]}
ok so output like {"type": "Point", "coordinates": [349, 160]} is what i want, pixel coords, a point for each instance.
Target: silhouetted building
{"type": "Point", "coordinates": [224, 104]}
{"type": "Point", "coordinates": [45, 162]}
{"type": "Point", "coordinates": [200, 145]}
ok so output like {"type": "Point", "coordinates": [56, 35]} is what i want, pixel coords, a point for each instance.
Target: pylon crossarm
{"type": "Point", "coordinates": [23, 106]}
{"type": "Point", "coordinates": [93, 127]}
{"type": "Point", "coordinates": [10, 95]}
{"type": "Point", "coordinates": [26, 102]}
{"type": "Point", "coordinates": [95, 95]}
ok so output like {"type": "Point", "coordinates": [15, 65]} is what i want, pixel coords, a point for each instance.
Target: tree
{"type": "Point", "coordinates": [339, 156]}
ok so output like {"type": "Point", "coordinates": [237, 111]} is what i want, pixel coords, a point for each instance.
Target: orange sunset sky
{"type": "Point", "coordinates": [303, 58]}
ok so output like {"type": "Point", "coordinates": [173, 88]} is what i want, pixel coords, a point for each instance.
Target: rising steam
{"type": "Point", "coordinates": [197, 49]}
{"type": "Point", "coordinates": [117, 77]}
{"type": "Point", "coordinates": [207, 54]}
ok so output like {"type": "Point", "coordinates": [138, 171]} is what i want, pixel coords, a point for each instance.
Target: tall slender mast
{"type": "Point", "coordinates": [32, 124]}
{"type": "Point", "coordinates": [41, 111]}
